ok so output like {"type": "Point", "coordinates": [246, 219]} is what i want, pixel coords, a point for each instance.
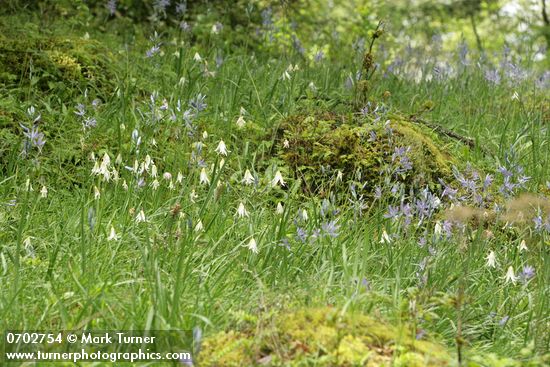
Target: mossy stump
{"type": "Point", "coordinates": [320, 146]}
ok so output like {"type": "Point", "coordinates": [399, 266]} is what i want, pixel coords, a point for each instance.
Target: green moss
{"type": "Point", "coordinates": [228, 349]}
{"type": "Point", "coordinates": [321, 144]}
{"type": "Point", "coordinates": [320, 337]}
{"type": "Point", "coordinates": [56, 64]}
{"type": "Point", "coordinates": [327, 337]}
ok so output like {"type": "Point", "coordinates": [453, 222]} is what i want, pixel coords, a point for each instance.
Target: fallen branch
{"type": "Point", "coordinates": [451, 134]}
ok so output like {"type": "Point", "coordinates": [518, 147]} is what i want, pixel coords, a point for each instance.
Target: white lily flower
{"type": "Point", "coordinates": [112, 236]}
{"type": "Point", "coordinates": [241, 211]}
{"type": "Point", "coordinates": [491, 260]}
{"type": "Point", "coordinates": [193, 196]}
{"type": "Point", "coordinates": [140, 217]}
{"type": "Point", "coordinates": [97, 193]}
{"type": "Point", "coordinates": [248, 178]}
{"type": "Point", "coordinates": [241, 122]}
{"type": "Point", "coordinates": [510, 276]}
{"type": "Point", "coordinates": [278, 179]}
{"type": "Point", "coordinates": [385, 238]}
{"type": "Point", "coordinates": [222, 148]}
{"type": "Point", "coordinates": [204, 177]}
{"type": "Point", "coordinates": [522, 246]}
{"type": "Point", "coordinates": [253, 246]}
{"type": "Point", "coordinates": [199, 227]}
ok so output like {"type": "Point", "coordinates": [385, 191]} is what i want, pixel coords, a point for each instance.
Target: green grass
{"type": "Point", "coordinates": [59, 270]}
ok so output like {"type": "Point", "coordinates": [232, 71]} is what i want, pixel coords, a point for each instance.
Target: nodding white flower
{"type": "Point", "coordinates": [118, 159]}
{"type": "Point", "coordinates": [385, 238]}
{"type": "Point", "coordinates": [104, 167]}
{"type": "Point", "coordinates": [278, 179]}
{"type": "Point", "coordinates": [155, 184]}
{"type": "Point", "coordinates": [124, 185]}
{"type": "Point", "coordinates": [179, 179]}
{"type": "Point", "coordinates": [248, 179]}
{"type": "Point", "coordinates": [286, 144]}
{"type": "Point", "coordinates": [205, 134]}
{"type": "Point", "coordinates": [240, 121]}
{"type": "Point", "coordinates": [28, 185]}
{"type": "Point", "coordinates": [242, 111]}
{"type": "Point", "coordinates": [286, 75]}
{"type": "Point", "coordinates": [515, 96]}
{"type": "Point", "coordinates": [148, 162]}
{"type": "Point", "coordinates": [438, 229]}
{"type": "Point", "coordinates": [241, 211]}
{"type": "Point", "coordinates": [197, 57]}
{"type": "Point", "coordinates": [222, 148]}
{"type": "Point", "coordinates": [339, 176]}
{"type": "Point", "coordinates": [252, 245]}
{"type": "Point", "coordinates": [153, 170]}
{"type": "Point", "coordinates": [304, 215]}
{"type": "Point", "coordinates": [204, 177]}
{"type": "Point", "coordinates": [171, 185]}
{"type": "Point", "coordinates": [312, 86]}
{"type": "Point", "coordinates": [295, 68]}
{"type": "Point", "coordinates": [95, 168]}
{"type": "Point", "coordinates": [280, 209]}
{"type": "Point", "coordinates": [491, 260]}
{"type": "Point", "coordinates": [167, 176]}
{"type": "Point", "coordinates": [153, 142]}
{"type": "Point", "coordinates": [522, 246]}
{"type": "Point", "coordinates": [510, 276]}
{"type": "Point", "coordinates": [199, 227]}
{"type": "Point", "coordinates": [112, 236]}
{"type": "Point", "coordinates": [44, 192]}
{"type": "Point", "coordinates": [106, 160]}
{"type": "Point", "coordinates": [222, 162]}
{"type": "Point", "coordinates": [97, 194]}
{"type": "Point", "coordinates": [193, 195]}
{"type": "Point", "coordinates": [115, 175]}
{"type": "Point", "coordinates": [140, 217]}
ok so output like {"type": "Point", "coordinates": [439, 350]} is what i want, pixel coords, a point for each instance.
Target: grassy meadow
{"type": "Point", "coordinates": [187, 172]}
